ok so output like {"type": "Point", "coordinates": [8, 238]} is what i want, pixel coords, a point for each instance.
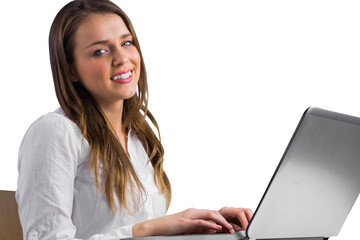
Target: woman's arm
{"type": "Point", "coordinates": [227, 220]}
{"type": "Point", "coordinates": [186, 222]}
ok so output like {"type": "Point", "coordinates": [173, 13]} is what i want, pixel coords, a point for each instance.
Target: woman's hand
{"type": "Point", "coordinates": [239, 218]}
{"type": "Point", "coordinates": [187, 222]}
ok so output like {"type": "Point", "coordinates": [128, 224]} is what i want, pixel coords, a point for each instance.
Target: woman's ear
{"type": "Point", "coordinates": [73, 75]}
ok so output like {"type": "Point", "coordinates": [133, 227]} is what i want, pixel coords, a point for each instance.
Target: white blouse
{"type": "Point", "coordinates": [56, 192]}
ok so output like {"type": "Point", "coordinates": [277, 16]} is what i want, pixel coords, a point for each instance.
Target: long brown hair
{"type": "Point", "coordinates": [79, 105]}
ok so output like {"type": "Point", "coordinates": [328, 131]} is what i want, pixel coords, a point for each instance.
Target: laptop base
{"type": "Point", "coordinates": [218, 236]}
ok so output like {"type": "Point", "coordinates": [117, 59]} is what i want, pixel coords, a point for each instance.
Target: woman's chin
{"type": "Point", "coordinates": [129, 93]}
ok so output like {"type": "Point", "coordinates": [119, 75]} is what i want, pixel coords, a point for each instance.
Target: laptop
{"type": "Point", "coordinates": [313, 188]}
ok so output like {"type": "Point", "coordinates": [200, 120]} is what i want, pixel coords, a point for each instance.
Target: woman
{"type": "Point", "coordinates": [84, 170]}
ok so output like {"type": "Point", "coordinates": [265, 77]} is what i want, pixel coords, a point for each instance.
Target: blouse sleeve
{"type": "Point", "coordinates": [48, 160]}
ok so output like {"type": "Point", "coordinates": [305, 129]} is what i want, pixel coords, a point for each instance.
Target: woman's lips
{"type": "Point", "coordinates": [124, 76]}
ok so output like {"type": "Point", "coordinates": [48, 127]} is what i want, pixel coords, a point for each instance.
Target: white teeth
{"type": "Point", "coordinates": [122, 76]}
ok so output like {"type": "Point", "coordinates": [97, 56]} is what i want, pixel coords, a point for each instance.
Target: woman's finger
{"type": "Point", "coordinates": [249, 214]}
{"type": "Point", "coordinates": [236, 227]}
{"type": "Point", "coordinates": [202, 224]}
{"type": "Point", "coordinates": [241, 216]}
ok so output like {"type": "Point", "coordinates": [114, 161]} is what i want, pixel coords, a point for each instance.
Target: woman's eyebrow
{"type": "Point", "coordinates": [107, 41]}
{"type": "Point", "coordinates": [98, 42]}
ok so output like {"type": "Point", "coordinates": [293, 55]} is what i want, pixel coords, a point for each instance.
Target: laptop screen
{"type": "Point", "coordinates": [317, 181]}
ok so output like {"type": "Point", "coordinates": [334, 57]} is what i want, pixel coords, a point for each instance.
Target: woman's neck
{"type": "Point", "coordinates": [114, 114]}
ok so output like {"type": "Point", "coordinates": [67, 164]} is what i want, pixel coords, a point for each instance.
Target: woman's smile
{"type": "Point", "coordinates": [123, 77]}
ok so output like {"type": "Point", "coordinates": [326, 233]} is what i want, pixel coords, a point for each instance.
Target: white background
{"type": "Point", "coordinates": [228, 82]}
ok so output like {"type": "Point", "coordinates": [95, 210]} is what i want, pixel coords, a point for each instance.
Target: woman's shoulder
{"type": "Point", "coordinates": [56, 118]}
{"type": "Point", "coordinates": [54, 123]}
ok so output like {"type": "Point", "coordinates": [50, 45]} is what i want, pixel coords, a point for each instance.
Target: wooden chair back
{"type": "Point", "coordinates": [10, 227]}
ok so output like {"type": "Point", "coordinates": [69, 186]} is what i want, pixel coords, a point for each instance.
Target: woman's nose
{"type": "Point", "coordinates": [120, 57]}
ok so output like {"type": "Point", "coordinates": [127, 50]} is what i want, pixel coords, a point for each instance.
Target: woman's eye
{"type": "Point", "coordinates": [99, 52]}
{"type": "Point", "coordinates": [127, 43]}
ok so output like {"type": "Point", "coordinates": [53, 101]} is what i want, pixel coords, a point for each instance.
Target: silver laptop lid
{"type": "Point", "coordinates": [316, 182]}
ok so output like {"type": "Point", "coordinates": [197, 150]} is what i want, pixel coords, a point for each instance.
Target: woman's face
{"type": "Point", "coordinates": [106, 61]}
